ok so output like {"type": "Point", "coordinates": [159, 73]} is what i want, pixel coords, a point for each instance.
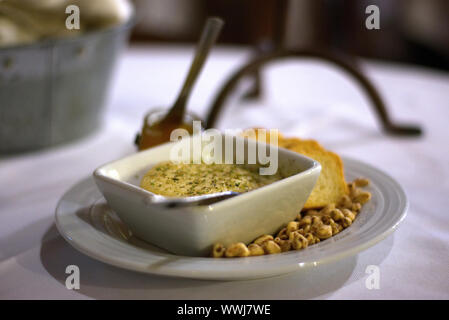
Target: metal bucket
{"type": "Point", "coordinates": [54, 91]}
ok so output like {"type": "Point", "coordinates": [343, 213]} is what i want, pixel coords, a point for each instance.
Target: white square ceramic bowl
{"type": "Point", "coordinates": [193, 230]}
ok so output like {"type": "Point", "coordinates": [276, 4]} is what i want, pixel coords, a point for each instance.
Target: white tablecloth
{"type": "Point", "coordinates": [304, 98]}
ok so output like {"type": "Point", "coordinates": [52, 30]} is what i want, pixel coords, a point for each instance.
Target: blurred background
{"type": "Point", "coordinates": [54, 81]}
{"type": "Point", "coordinates": [411, 31]}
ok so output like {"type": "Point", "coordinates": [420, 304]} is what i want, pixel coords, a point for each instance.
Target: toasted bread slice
{"type": "Point", "coordinates": [254, 133]}
{"type": "Point", "coordinates": [331, 184]}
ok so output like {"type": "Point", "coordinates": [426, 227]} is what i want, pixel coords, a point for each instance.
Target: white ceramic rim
{"type": "Point", "coordinates": [392, 205]}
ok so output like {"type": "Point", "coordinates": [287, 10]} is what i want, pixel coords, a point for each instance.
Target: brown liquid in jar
{"type": "Point", "coordinates": [158, 133]}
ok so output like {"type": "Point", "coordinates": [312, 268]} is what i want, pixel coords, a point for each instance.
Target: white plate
{"type": "Point", "coordinates": [88, 224]}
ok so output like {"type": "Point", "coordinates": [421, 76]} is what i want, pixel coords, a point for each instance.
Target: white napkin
{"type": "Point", "coordinates": [26, 21]}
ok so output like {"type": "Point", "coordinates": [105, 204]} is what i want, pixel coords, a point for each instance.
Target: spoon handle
{"type": "Point", "coordinates": [205, 199]}
{"type": "Point", "coordinates": [208, 37]}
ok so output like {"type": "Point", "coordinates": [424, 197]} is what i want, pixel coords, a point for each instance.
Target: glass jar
{"type": "Point", "coordinates": [154, 133]}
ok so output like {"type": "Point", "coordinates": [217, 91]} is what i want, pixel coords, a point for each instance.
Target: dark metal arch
{"type": "Point", "coordinates": [367, 86]}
